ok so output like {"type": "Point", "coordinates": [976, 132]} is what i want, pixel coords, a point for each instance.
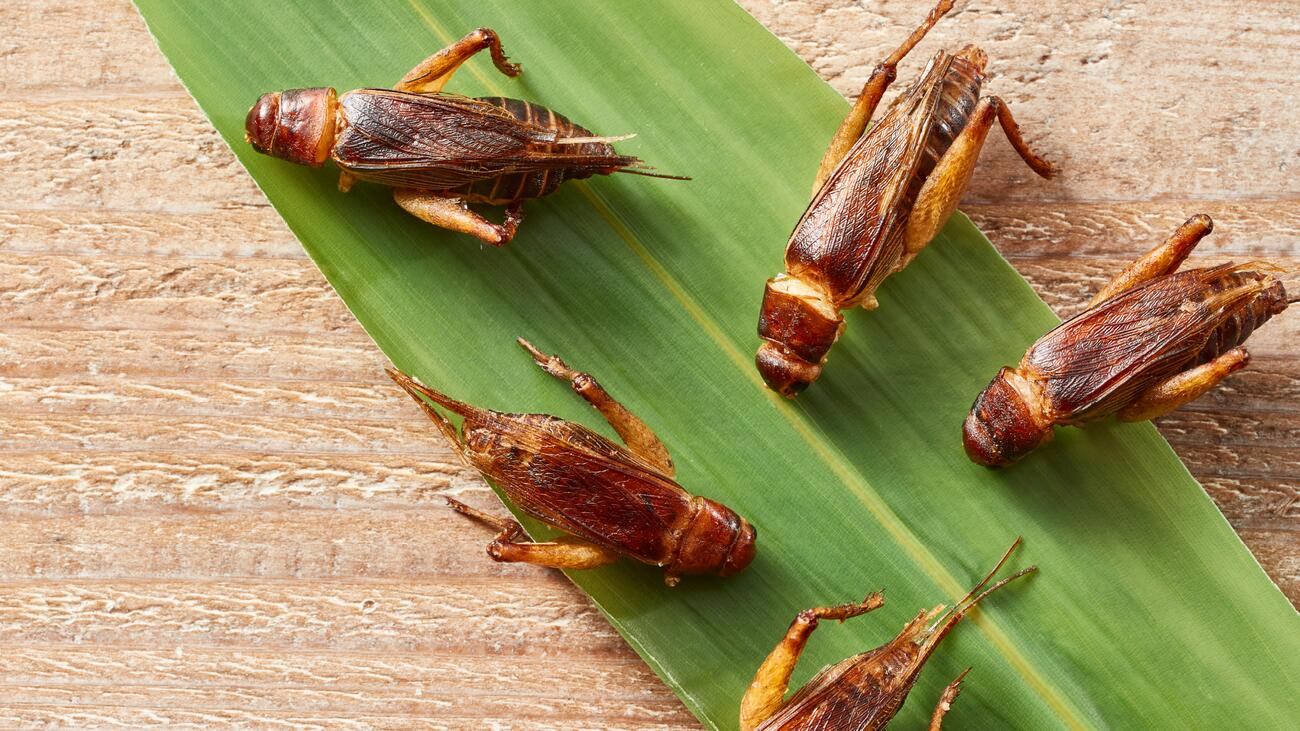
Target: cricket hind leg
{"type": "Point", "coordinates": [636, 434]}
{"type": "Point", "coordinates": [1163, 259]}
{"type": "Point", "coordinates": [1184, 387]}
{"type": "Point", "coordinates": [453, 215]}
{"type": "Point", "coordinates": [946, 700]}
{"type": "Point", "coordinates": [869, 98]}
{"type": "Point", "coordinates": [766, 693]}
{"type": "Point", "coordinates": [943, 189]}
{"type": "Point", "coordinates": [565, 552]}
{"type": "Point", "coordinates": [431, 74]}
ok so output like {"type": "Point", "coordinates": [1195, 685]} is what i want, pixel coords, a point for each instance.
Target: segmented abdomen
{"type": "Point", "coordinates": [513, 187]}
{"type": "Point", "coordinates": [957, 100]}
{"type": "Point", "coordinates": [1243, 322]}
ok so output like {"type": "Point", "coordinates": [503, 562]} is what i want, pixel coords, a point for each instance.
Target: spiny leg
{"type": "Point", "coordinates": [431, 74]}
{"type": "Point", "coordinates": [453, 215]}
{"type": "Point", "coordinates": [1038, 164]}
{"type": "Point", "coordinates": [634, 432]}
{"type": "Point", "coordinates": [943, 189]}
{"type": "Point", "coordinates": [881, 77]}
{"type": "Point", "coordinates": [565, 552]}
{"type": "Point", "coordinates": [1185, 387]}
{"type": "Point", "coordinates": [1163, 259]}
{"type": "Point", "coordinates": [946, 700]}
{"type": "Point", "coordinates": [766, 693]}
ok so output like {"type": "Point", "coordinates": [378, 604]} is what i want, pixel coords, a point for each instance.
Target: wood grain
{"type": "Point", "coordinates": [217, 514]}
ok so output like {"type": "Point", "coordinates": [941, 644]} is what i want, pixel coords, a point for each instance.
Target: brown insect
{"type": "Point", "coordinates": [862, 692]}
{"type": "Point", "coordinates": [612, 500]}
{"type": "Point", "coordinates": [878, 199]}
{"type": "Point", "coordinates": [439, 152]}
{"type": "Point", "coordinates": [1152, 340]}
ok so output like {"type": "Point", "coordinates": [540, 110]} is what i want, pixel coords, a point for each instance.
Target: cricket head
{"type": "Point", "coordinates": [717, 541]}
{"type": "Point", "coordinates": [295, 125]}
{"type": "Point", "coordinates": [798, 323]}
{"type": "Point", "coordinates": [1002, 426]}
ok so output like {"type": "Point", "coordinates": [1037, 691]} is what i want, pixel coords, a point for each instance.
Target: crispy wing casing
{"type": "Point", "coordinates": [580, 482]}
{"type": "Point", "coordinates": [441, 142]}
{"type": "Point", "coordinates": [851, 235]}
{"type": "Point", "coordinates": [862, 692]}
{"type": "Point", "coordinates": [1101, 360]}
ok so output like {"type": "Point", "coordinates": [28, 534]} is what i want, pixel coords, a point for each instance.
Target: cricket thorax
{"type": "Point", "coordinates": [298, 125]}
{"type": "Point", "coordinates": [714, 540]}
{"type": "Point", "coordinates": [1007, 420]}
{"type": "Point", "coordinates": [799, 322]}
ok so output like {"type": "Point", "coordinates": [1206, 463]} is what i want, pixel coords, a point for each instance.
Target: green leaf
{"type": "Point", "coordinates": [1147, 612]}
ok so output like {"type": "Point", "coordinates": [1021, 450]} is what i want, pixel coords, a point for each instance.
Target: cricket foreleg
{"type": "Point", "coordinates": [565, 552]}
{"type": "Point", "coordinates": [1163, 259]}
{"type": "Point", "coordinates": [946, 700]}
{"type": "Point", "coordinates": [943, 189]}
{"type": "Point", "coordinates": [766, 693]}
{"type": "Point", "coordinates": [1185, 387]}
{"type": "Point", "coordinates": [453, 215]}
{"type": "Point", "coordinates": [869, 98]}
{"type": "Point", "coordinates": [639, 437]}
{"type": "Point", "coordinates": [431, 74]}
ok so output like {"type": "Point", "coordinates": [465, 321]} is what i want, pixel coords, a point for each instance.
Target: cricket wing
{"type": "Point", "coordinates": [443, 141]}
{"type": "Point", "coordinates": [831, 700]}
{"type": "Point", "coordinates": [851, 236]}
{"type": "Point", "coordinates": [1103, 358]}
{"type": "Point", "coordinates": [586, 485]}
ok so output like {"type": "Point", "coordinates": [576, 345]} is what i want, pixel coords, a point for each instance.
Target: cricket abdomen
{"type": "Point", "coordinates": [958, 96]}
{"type": "Point", "coordinates": [513, 187]}
{"type": "Point", "coordinates": [1233, 332]}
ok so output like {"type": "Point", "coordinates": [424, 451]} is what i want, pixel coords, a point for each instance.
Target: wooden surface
{"type": "Point", "coordinates": [217, 512]}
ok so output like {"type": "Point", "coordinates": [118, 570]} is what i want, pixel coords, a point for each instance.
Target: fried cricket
{"type": "Point", "coordinates": [863, 692]}
{"type": "Point", "coordinates": [439, 152]}
{"type": "Point", "coordinates": [612, 500]}
{"type": "Point", "coordinates": [879, 197]}
{"type": "Point", "coordinates": [1152, 340]}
